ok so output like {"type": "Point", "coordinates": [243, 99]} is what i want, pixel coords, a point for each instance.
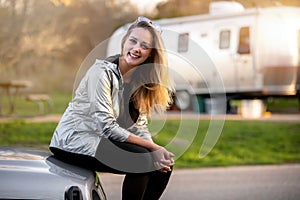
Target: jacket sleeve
{"type": "Point", "coordinates": [140, 127]}
{"type": "Point", "coordinates": [100, 87]}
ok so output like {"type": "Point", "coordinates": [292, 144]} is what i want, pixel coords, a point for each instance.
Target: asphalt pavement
{"type": "Point", "coordinates": [295, 117]}
{"type": "Point", "coordinates": [271, 182]}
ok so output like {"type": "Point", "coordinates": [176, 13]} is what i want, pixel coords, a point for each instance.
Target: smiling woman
{"type": "Point", "coordinates": [136, 49]}
{"type": "Point", "coordinates": [105, 126]}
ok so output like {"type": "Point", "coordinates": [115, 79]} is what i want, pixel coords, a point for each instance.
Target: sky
{"type": "Point", "coordinates": [145, 6]}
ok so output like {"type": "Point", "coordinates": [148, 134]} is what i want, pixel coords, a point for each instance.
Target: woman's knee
{"type": "Point", "coordinates": [125, 157]}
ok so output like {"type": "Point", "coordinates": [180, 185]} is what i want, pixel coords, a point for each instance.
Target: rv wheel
{"type": "Point", "coordinates": [182, 100]}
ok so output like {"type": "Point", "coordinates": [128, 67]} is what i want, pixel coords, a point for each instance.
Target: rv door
{"type": "Point", "coordinates": [223, 55]}
{"type": "Point", "coordinates": [243, 61]}
{"type": "Point", "coordinates": [233, 58]}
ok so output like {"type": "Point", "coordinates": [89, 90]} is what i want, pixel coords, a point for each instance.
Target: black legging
{"type": "Point", "coordinates": [140, 183]}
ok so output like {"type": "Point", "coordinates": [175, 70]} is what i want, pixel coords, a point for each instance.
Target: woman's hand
{"type": "Point", "coordinates": [163, 159]}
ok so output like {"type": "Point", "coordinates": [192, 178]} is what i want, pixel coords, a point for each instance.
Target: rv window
{"type": "Point", "coordinates": [224, 39]}
{"type": "Point", "coordinates": [244, 41]}
{"type": "Point", "coordinates": [183, 42]}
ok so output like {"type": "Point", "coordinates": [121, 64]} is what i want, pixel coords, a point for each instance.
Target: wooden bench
{"type": "Point", "coordinates": [41, 100]}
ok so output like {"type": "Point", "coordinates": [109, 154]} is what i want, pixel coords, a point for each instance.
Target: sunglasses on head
{"type": "Point", "coordinates": [153, 24]}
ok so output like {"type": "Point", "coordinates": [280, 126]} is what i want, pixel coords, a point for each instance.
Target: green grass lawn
{"type": "Point", "coordinates": [60, 101]}
{"type": "Point", "coordinates": [241, 142]}
{"type": "Point", "coordinates": [25, 108]}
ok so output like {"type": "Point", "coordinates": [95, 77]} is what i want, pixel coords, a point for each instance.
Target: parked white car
{"type": "Point", "coordinates": [27, 173]}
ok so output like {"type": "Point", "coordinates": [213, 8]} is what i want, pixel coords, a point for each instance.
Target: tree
{"type": "Point", "coordinates": [52, 37]}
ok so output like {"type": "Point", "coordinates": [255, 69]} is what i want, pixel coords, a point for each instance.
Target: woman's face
{"type": "Point", "coordinates": [137, 47]}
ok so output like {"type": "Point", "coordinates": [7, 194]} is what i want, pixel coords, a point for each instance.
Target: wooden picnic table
{"type": "Point", "coordinates": [11, 90]}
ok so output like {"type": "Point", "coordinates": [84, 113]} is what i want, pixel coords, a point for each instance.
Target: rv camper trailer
{"type": "Point", "coordinates": [244, 53]}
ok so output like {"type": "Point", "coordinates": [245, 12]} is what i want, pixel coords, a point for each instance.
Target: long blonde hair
{"type": "Point", "coordinates": [152, 87]}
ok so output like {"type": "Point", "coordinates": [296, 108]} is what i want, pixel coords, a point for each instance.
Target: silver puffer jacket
{"type": "Point", "coordinates": [93, 112]}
